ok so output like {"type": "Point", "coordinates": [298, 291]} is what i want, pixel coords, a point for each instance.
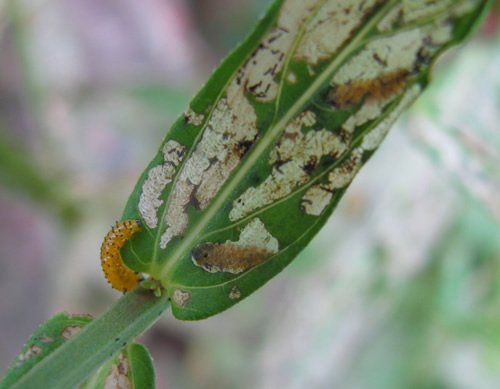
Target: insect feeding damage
{"type": "Point", "coordinates": [235, 293]}
{"type": "Point", "coordinates": [118, 275]}
{"type": "Point", "coordinates": [375, 76]}
{"type": "Point", "coordinates": [229, 134]}
{"type": "Point", "coordinates": [231, 129]}
{"type": "Point", "coordinates": [31, 351]}
{"type": "Point", "coordinates": [330, 28]}
{"type": "Point", "coordinates": [294, 157]}
{"type": "Point", "coordinates": [181, 297]}
{"type": "Point", "coordinates": [70, 331]}
{"type": "Point", "coordinates": [318, 196]}
{"type": "Point", "coordinates": [408, 11]}
{"type": "Point", "coordinates": [369, 66]}
{"type": "Point", "coordinates": [375, 136]}
{"type": "Point", "coordinates": [44, 338]}
{"type": "Point", "coordinates": [385, 68]}
{"type": "Point", "coordinates": [258, 73]}
{"type": "Point", "coordinates": [255, 245]}
{"type": "Point", "coordinates": [158, 178]}
{"type": "Point", "coordinates": [196, 119]}
{"type": "Point", "coordinates": [118, 374]}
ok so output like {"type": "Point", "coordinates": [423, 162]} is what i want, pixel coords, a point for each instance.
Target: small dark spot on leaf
{"type": "Point", "coordinates": [243, 147]}
{"type": "Point", "coordinates": [327, 189]}
{"type": "Point", "coordinates": [377, 58]}
{"type": "Point", "coordinates": [310, 165]}
{"type": "Point", "coordinates": [278, 164]}
{"type": "Point", "coordinates": [193, 201]}
{"type": "Point", "coordinates": [254, 87]}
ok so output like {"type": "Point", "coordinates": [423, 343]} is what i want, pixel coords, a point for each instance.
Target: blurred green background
{"type": "Point", "coordinates": [401, 289]}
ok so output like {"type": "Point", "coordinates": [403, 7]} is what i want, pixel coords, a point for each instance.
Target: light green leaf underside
{"type": "Point", "coordinates": [251, 172]}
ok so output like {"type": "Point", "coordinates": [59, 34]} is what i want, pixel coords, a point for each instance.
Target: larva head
{"type": "Point", "coordinates": [129, 226]}
{"type": "Point", "coordinates": [202, 256]}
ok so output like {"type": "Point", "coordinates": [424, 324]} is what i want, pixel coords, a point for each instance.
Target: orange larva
{"type": "Point", "coordinates": [119, 276]}
{"type": "Point", "coordinates": [228, 257]}
{"type": "Point", "coordinates": [375, 89]}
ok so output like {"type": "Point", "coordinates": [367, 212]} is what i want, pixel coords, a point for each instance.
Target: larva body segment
{"type": "Point", "coordinates": [118, 275]}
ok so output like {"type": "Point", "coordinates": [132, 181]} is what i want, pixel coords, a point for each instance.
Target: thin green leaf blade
{"type": "Point", "coordinates": [141, 369]}
{"type": "Point", "coordinates": [46, 339]}
{"type": "Point", "coordinates": [252, 171]}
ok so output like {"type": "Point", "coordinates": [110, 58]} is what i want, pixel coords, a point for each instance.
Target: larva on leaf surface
{"type": "Point", "coordinates": [376, 89]}
{"type": "Point", "coordinates": [118, 275]}
{"type": "Point", "coordinates": [228, 257]}
{"type": "Point", "coordinates": [247, 176]}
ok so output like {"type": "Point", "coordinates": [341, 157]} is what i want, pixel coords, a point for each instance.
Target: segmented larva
{"type": "Point", "coordinates": [375, 89]}
{"type": "Point", "coordinates": [228, 257]}
{"type": "Point", "coordinates": [118, 275]}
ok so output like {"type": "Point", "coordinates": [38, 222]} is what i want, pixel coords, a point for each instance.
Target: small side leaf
{"type": "Point", "coordinates": [47, 338]}
{"type": "Point", "coordinates": [250, 173]}
{"type": "Point", "coordinates": [65, 364]}
{"type": "Point", "coordinates": [131, 367]}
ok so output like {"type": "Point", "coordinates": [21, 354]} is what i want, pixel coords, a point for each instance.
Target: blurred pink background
{"type": "Point", "coordinates": [400, 289]}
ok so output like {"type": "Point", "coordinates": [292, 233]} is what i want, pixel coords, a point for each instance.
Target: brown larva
{"type": "Point", "coordinates": [375, 89]}
{"type": "Point", "coordinates": [228, 257]}
{"type": "Point", "coordinates": [119, 276]}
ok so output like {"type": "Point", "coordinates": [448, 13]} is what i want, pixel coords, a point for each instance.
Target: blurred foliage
{"type": "Point", "coordinates": [450, 308]}
{"type": "Point", "coordinates": [19, 171]}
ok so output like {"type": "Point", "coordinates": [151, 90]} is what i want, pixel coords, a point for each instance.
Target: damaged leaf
{"type": "Point", "coordinates": [254, 168]}
{"type": "Point", "coordinates": [46, 339]}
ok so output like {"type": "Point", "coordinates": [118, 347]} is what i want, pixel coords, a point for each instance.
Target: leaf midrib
{"type": "Point", "coordinates": [162, 220]}
{"type": "Point", "coordinates": [267, 139]}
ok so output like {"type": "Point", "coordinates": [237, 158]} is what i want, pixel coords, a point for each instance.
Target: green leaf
{"type": "Point", "coordinates": [67, 364]}
{"type": "Point", "coordinates": [249, 174]}
{"type": "Point", "coordinates": [46, 339]}
{"type": "Point", "coordinates": [131, 367]}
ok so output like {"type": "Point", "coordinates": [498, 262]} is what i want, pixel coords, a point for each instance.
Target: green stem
{"type": "Point", "coordinates": [71, 363]}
